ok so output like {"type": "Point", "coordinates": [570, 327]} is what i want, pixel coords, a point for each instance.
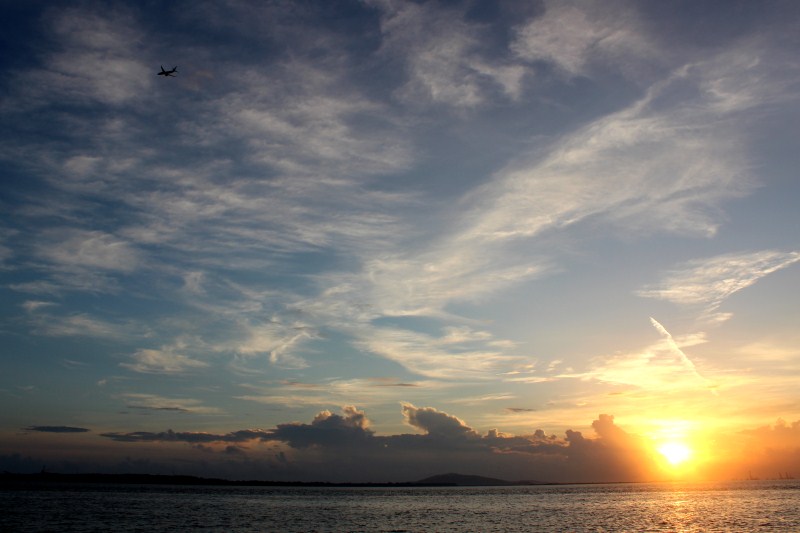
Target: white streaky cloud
{"type": "Point", "coordinates": [5, 254]}
{"type": "Point", "coordinates": [313, 130]}
{"type": "Point", "coordinates": [685, 358]}
{"type": "Point", "coordinates": [81, 325]}
{"type": "Point", "coordinates": [88, 250]}
{"type": "Point", "coordinates": [99, 59]}
{"type": "Point", "coordinates": [370, 391]}
{"type": "Point", "coordinates": [463, 334]}
{"type": "Point", "coordinates": [481, 400]}
{"type": "Point", "coordinates": [651, 166]}
{"type": "Point", "coordinates": [276, 340]}
{"type": "Point", "coordinates": [291, 400]}
{"type": "Point", "coordinates": [764, 351]}
{"type": "Point", "coordinates": [31, 306]}
{"type": "Point", "coordinates": [665, 169]}
{"type": "Point", "coordinates": [444, 55]}
{"type": "Point", "coordinates": [160, 403]}
{"type": "Point", "coordinates": [425, 284]}
{"type": "Point", "coordinates": [424, 355]}
{"type": "Point", "coordinates": [709, 282]}
{"type": "Point", "coordinates": [661, 368]}
{"type": "Point", "coordinates": [166, 360]}
{"type": "Point", "coordinates": [574, 35]}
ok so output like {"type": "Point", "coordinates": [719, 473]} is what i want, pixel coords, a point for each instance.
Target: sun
{"type": "Point", "coordinates": [675, 453]}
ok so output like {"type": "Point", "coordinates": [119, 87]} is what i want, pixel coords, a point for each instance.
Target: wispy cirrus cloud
{"type": "Point", "coordinates": [659, 165]}
{"type": "Point", "coordinates": [97, 57]}
{"type": "Point", "coordinates": [709, 282]}
{"type": "Point", "coordinates": [447, 61]}
{"type": "Point", "coordinates": [154, 402]}
{"type": "Point", "coordinates": [659, 369]}
{"type": "Point", "coordinates": [77, 249]}
{"type": "Point", "coordinates": [574, 35]}
{"type": "Point", "coordinates": [164, 360]}
{"type": "Point", "coordinates": [364, 391]}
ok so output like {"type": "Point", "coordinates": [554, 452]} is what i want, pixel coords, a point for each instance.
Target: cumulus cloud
{"type": "Point", "coordinates": [351, 428]}
{"type": "Point", "coordinates": [436, 423]}
{"type": "Point", "coordinates": [447, 443]}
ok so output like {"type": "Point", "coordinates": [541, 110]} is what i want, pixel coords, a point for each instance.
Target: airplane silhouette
{"type": "Point", "coordinates": [168, 72]}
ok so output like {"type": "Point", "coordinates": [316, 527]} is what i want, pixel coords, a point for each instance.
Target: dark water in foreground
{"type": "Point", "coordinates": [732, 506]}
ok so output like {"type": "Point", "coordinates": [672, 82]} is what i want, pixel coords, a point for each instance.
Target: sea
{"type": "Point", "coordinates": [751, 505]}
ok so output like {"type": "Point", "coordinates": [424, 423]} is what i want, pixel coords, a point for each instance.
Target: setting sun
{"type": "Point", "coordinates": [675, 452]}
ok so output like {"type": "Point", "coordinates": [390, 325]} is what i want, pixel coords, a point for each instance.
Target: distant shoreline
{"type": "Point", "coordinates": [8, 478]}
{"type": "Point", "coordinates": [162, 479]}
{"type": "Point", "coordinates": [16, 479]}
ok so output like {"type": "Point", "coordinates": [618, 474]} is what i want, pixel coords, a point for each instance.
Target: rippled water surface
{"type": "Point", "coordinates": [733, 506]}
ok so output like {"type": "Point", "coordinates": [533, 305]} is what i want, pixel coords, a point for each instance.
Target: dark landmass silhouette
{"type": "Point", "coordinates": [441, 480]}
{"type": "Point", "coordinates": [463, 480]}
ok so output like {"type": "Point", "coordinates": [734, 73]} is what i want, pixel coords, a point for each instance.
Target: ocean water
{"type": "Point", "coordinates": [731, 506]}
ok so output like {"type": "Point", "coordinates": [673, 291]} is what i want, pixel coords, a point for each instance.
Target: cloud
{"type": "Point", "coordinates": [78, 259]}
{"type": "Point", "coordinates": [365, 392]}
{"type": "Point", "coordinates": [709, 282]}
{"type": "Point", "coordinates": [79, 325]}
{"type": "Point", "coordinates": [182, 436]}
{"type": "Point", "coordinates": [277, 340]}
{"type": "Point", "coordinates": [674, 345]}
{"type": "Point", "coordinates": [665, 169]}
{"type": "Point", "coordinates": [165, 360]}
{"type": "Point", "coordinates": [343, 447]}
{"type": "Point", "coordinates": [89, 249]}
{"type": "Point", "coordinates": [153, 402]}
{"type": "Point", "coordinates": [436, 423]}
{"type": "Point", "coordinates": [447, 61]}
{"type": "Point", "coordinates": [57, 429]}
{"type": "Point", "coordinates": [426, 356]}
{"type": "Point", "coordinates": [574, 35]}
{"type": "Point", "coordinates": [97, 57]}
{"type": "Point", "coordinates": [349, 429]}
{"type": "Point", "coordinates": [32, 306]}
{"type": "Point", "coordinates": [661, 368]}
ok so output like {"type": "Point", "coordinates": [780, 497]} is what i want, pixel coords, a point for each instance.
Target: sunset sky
{"type": "Point", "coordinates": [380, 240]}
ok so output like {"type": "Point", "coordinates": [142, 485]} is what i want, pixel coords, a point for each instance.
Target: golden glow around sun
{"type": "Point", "coordinates": [675, 453]}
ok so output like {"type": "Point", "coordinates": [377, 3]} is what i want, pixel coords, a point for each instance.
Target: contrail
{"type": "Point", "coordinates": [674, 345]}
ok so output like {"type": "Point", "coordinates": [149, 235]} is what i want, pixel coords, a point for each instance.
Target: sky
{"type": "Point", "coordinates": [381, 240]}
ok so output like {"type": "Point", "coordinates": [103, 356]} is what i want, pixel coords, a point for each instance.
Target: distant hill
{"type": "Point", "coordinates": [464, 480]}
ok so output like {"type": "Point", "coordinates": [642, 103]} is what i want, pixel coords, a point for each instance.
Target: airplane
{"type": "Point", "coordinates": [168, 72]}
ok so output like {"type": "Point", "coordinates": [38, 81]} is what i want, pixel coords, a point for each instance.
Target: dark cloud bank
{"type": "Point", "coordinates": [342, 447]}
{"type": "Point", "coordinates": [56, 429]}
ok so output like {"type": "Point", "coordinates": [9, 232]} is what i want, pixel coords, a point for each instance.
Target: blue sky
{"type": "Point", "coordinates": [390, 218]}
